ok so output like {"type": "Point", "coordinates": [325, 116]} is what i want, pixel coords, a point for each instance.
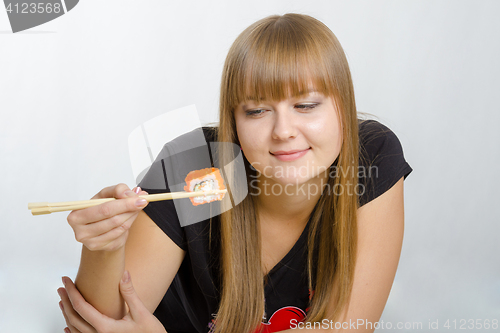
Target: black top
{"type": "Point", "coordinates": [192, 299]}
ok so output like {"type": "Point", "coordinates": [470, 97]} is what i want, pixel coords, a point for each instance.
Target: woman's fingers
{"type": "Point", "coordinates": [135, 305]}
{"type": "Point", "coordinates": [139, 318]}
{"type": "Point", "coordinates": [70, 328]}
{"type": "Point", "coordinates": [81, 317]}
{"type": "Point", "coordinates": [105, 226]}
{"type": "Point", "coordinates": [110, 241]}
{"type": "Point", "coordinates": [115, 191]}
{"type": "Point", "coordinates": [93, 230]}
{"type": "Point", "coordinates": [75, 322]}
{"type": "Point", "coordinates": [131, 203]}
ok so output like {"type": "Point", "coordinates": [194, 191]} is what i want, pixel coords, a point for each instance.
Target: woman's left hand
{"type": "Point", "coordinates": [81, 317]}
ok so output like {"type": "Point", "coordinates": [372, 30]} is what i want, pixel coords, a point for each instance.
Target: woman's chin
{"type": "Point", "coordinates": [291, 181]}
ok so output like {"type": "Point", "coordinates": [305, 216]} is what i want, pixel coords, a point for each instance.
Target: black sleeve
{"type": "Point", "coordinates": [163, 213]}
{"type": "Point", "coordinates": [174, 162]}
{"type": "Point", "coordinates": [382, 161]}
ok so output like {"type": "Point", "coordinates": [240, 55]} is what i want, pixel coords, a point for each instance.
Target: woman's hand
{"type": "Point", "coordinates": [105, 227]}
{"type": "Point", "coordinates": [81, 317]}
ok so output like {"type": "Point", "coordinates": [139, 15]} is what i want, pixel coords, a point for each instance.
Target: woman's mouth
{"type": "Point", "coordinates": [290, 155]}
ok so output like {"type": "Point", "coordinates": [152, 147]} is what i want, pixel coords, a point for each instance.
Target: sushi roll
{"type": "Point", "coordinates": [204, 180]}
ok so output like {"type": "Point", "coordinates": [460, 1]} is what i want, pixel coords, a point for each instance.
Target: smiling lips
{"type": "Point", "coordinates": [290, 155]}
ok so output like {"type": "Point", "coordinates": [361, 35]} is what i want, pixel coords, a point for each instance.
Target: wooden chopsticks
{"type": "Point", "coordinates": [40, 208]}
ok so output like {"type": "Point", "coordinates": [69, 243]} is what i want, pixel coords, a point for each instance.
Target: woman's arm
{"type": "Point", "coordinates": [380, 238]}
{"type": "Point", "coordinates": [153, 259]}
{"type": "Point", "coordinates": [148, 254]}
{"type": "Point", "coordinates": [82, 317]}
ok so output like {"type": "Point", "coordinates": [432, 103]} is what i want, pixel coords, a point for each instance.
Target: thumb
{"type": "Point", "coordinates": [130, 296]}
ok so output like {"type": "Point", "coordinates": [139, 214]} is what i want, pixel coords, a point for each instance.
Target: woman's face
{"type": "Point", "coordinates": [292, 140]}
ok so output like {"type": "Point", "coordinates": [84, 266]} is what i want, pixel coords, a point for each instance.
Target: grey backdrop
{"type": "Point", "coordinates": [73, 89]}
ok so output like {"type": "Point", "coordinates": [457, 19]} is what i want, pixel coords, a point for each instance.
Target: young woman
{"type": "Point", "coordinates": [314, 245]}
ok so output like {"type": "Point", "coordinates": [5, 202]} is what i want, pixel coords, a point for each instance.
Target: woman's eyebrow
{"type": "Point", "coordinates": [310, 91]}
{"type": "Point", "coordinates": [301, 93]}
{"type": "Point", "coordinates": [305, 93]}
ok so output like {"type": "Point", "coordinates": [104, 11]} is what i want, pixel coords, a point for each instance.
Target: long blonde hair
{"type": "Point", "coordinates": [273, 59]}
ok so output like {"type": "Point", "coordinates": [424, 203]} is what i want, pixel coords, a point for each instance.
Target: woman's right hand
{"type": "Point", "coordinates": [105, 227]}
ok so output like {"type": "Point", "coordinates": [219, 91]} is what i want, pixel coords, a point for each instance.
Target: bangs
{"type": "Point", "coordinates": [281, 62]}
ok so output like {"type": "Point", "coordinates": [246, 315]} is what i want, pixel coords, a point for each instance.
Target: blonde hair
{"type": "Point", "coordinates": [273, 59]}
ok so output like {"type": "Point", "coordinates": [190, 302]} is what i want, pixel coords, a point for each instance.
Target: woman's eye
{"type": "Point", "coordinates": [254, 112]}
{"type": "Point", "coordinates": [306, 106]}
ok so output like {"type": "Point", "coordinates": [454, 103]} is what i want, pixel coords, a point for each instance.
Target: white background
{"type": "Point", "coordinates": [73, 89]}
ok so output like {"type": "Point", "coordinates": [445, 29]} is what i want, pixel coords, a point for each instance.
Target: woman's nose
{"type": "Point", "coordinates": [284, 127]}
